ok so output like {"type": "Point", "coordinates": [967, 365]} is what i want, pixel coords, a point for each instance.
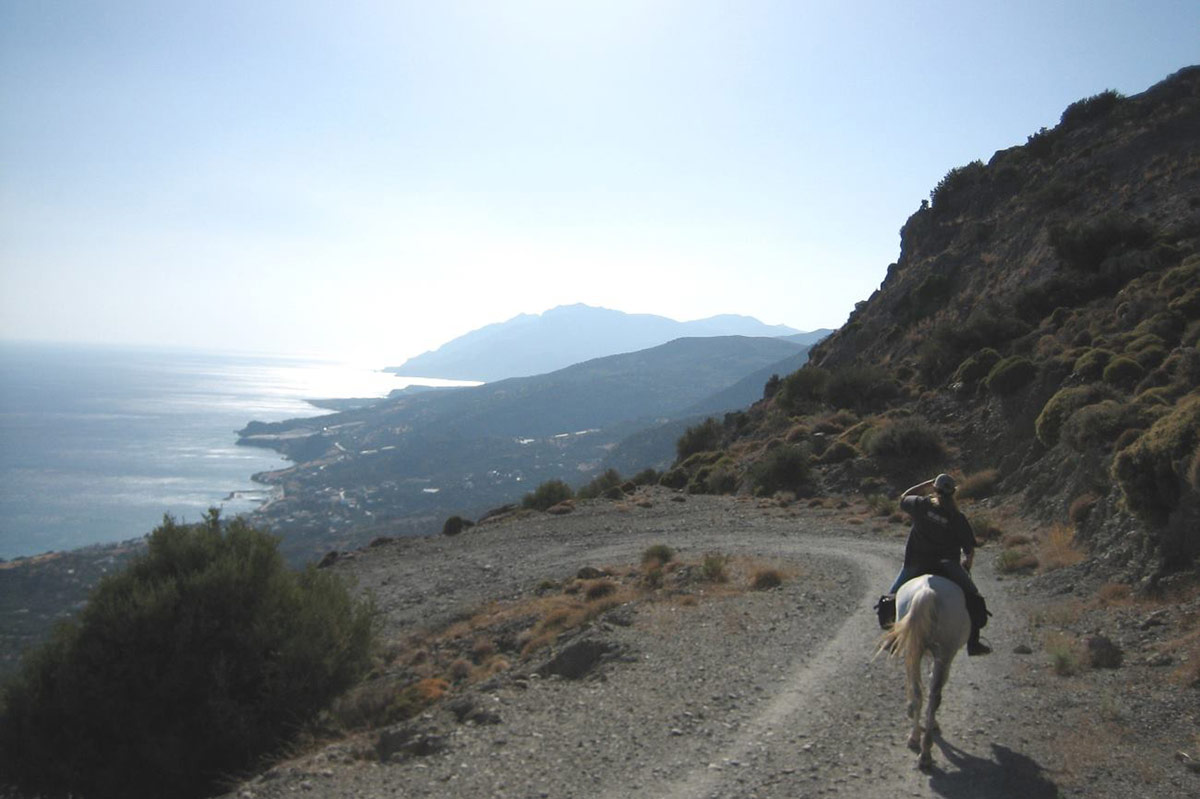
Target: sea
{"type": "Point", "coordinates": [97, 444]}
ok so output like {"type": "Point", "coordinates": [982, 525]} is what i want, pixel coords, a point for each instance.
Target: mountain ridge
{"type": "Point", "coordinates": [531, 344]}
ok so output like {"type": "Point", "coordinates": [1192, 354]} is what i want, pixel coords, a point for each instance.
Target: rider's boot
{"type": "Point", "coordinates": [975, 646]}
{"type": "Point", "coordinates": [886, 608]}
{"type": "Point", "coordinates": [977, 610]}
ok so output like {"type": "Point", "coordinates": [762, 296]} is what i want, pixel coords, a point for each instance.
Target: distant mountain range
{"type": "Point", "coordinates": [534, 344]}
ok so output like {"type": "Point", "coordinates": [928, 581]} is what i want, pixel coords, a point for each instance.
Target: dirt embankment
{"type": "Point", "coordinates": [740, 693]}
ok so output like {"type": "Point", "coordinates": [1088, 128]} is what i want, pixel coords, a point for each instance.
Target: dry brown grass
{"type": "Point", "coordinates": [1016, 559]}
{"type": "Point", "coordinates": [765, 579]}
{"type": "Point", "coordinates": [1113, 595]}
{"type": "Point", "coordinates": [979, 484]}
{"type": "Point", "coordinates": [1058, 614]}
{"type": "Point", "coordinates": [1058, 548]}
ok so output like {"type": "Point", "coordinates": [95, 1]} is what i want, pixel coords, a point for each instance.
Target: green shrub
{"type": "Point", "coordinates": [1041, 144]}
{"type": "Point", "coordinates": [803, 389]}
{"type": "Point", "coordinates": [976, 367]}
{"type": "Point", "coordinates": [455, 525]}
{"type": "Point", "coordinates": [881, 505]}
{"type": "Point", "coordinates": [676, 478]}
{"type": "Point", "coordinates": [1186, 305]}
{"type": "Point", "coordinates": [1085, 247]}
{"type": "Point", "coordinates": [1166, 328]}
{"type": "Point", "coordinates": [1059, 408]}
{"type": "Point", "coordinates": [1090, 365]}
{"type": "Point", "coordinates": [703, 437]}
{"type": "Point", "coordinates": [1123, 372]}
{"type": "Point", "coordinates": [1100, 425]}
{"type": "Point", "coordinates": [1010, 375]}
{"type": "Point", "coordinates": [950, 188]}
{"type": "Point", "coordinates": [839, 452]}
{"type": "Point", "coordinates": [784, 468]}
{"type": "Point", "coordinates": [601, 485]}
{"type": "Point", "coordinates": [206, 654]}
{"type": "Point", "coordinates": [860, 388]}
{"type": "Point", "coordinates": [1152, 470]}
{"type": "Point", "coordinates": [909, 441]}
{"type": "Point", "coordinates": [1150, 357]}
{"type": "Point", "coordinates": [1090, 108]}
{"type": "Point", "coordinates": [647, 477]}
{"type": "Point", "coordinates": [547, 495]}
{"type": "Point", "coordinates": [718, 478]}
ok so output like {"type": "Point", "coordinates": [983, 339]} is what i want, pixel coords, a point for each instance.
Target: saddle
{"type": "Point", "coordinates": [885, 608]}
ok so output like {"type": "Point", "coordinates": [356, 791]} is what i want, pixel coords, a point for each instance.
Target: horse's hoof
{"type": "Point", "coordinates": [914, 744]}
{"type": "Point", "coordinates": [925, 763]}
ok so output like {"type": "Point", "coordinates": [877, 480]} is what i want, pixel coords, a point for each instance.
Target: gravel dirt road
{"type": "Point", "coordinates": [742, 694]}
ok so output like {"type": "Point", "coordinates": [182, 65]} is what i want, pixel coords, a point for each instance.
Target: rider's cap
{"type": "Point", "coordinates": [944, 484]}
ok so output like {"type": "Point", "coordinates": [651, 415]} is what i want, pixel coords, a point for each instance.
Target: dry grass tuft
{"type": "Point", "coordinates": [1015, 560]}
{"type": "Point", "coordinates": [985, 528]}
{"type": "Point", "coordinates": [1113, 594]}
{"type": "Point", "coordinates": [715, 567]}
{"type": "Point", "coordinates": [765, 579]}
{"type": "Point", "coordinates": [1066, 653]}
{"type": "Point", "coordinates": [658, 553]}
{"type": "Point", "coordinates": [598, 589]}
{"type": "Point", "coordinates": [1059, 548]}
{"type": "Point", "coordinates": [979, 484]}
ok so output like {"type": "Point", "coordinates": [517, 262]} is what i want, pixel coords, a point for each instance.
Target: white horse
{"type": "Point", "coordinates": [931, 617]}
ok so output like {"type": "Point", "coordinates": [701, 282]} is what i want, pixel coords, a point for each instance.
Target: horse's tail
{"type": "Point", "coordinates": [910, 635]}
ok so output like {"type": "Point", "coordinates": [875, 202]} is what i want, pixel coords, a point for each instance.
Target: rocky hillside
{"type": "Point", "coordinates": [1038, 334]}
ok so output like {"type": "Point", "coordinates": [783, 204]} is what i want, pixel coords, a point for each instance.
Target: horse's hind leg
{"type": "Point", "coordinates": [937, 681]}
{"type": "Point", "coordinates": [914, 704]}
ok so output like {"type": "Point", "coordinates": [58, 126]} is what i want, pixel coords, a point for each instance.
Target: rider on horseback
{"type": "Point", "coordinates": [939, 533]}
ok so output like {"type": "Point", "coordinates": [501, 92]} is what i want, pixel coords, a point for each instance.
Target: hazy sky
{"type": "Point", "coordinates": [370, 179]}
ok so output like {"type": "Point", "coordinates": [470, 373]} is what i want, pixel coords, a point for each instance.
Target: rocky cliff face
{"type": "Point", "coordinates": [1043, 318]}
